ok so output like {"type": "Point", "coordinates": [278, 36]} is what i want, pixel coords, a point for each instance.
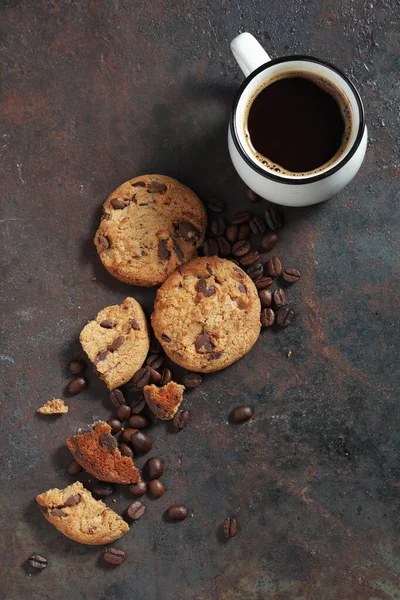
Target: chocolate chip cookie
{"type": "Point", "coordinates": [207, 314]}
{"type": "Point", "coordinates": [76, 514]}
{"type": "Point", "coordinates": [164, 401]}
{"type": "Point", "coordinates": [117, 342]}
{"type": "Point", "coordinates": [151, 225]}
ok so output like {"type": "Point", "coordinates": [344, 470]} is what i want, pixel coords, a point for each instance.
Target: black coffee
{"type": "Point", "coordinates": [295, 125]}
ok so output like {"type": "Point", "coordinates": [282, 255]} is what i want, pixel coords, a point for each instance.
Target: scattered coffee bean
{"type": "Point", "coordinates": [127, 433]}
{"type": "Point", "coordinates": [115, 425]}
{"type": "Point", "coordinates": [255, 270]}
{"type": "Point", "coordinates": [138, 489]}
{"type": "Point", "coordinates": [231, 233]}
{"type": "Point", "coordinates": [117, 203]}
{"type": "Point", "coordinates": [241, 248]}
{"type": "Point", "coordinates": [155, 376]}
{"type": "Point", "coordinates": [210, 248]}
{"type": "Point", "coordinates": [284, 317]}
{"type": "Point", "coordinates": [240, 414]}
{"type": "Point", "coordinates": [154, 468]}
{"type": "Point", "coordinates": [244, 232]}
{"type": "Point", "coordinates": [126, 450]}
{"type": "Point", "coordinates": [269, 241]}
{"type": "Point", "coordinates": [267, 317]}
{"type": "Point", "coordinates": [123, 412]}
{"type": "Point", "coordinates": [139, 380]}
{"type": "Point", "coordinates": [274, 267]}
{"type": "Point", "coordinates": [155, 361]}
{"type": "Point", "coordinates": [291, 275]}
{"type": "Point", "coordinates": [74, 468]}
{"type": "Point", "coordinates": [273, 217]}
{"type": "Point", "coordinates": [166, 377]}
{"type": "Point", "coordinates": [77, 385]}
{"type": "Point", "coordinates": [249, 259]}
{"type": "Point", "coordinates": [138, 405]}
{"type": "Point", "coordinates": [114, 556]}
{"type": "Point", "coordinates": [224, 247]}
{"type": "Point", "coordinates": [138, 422]}
{"type": "Point", "coordinates": [103, 241]}
{"type": "Point", "coordinates": [177, 512]}
{"type": "Point", "coordinates": [181, 419]}
{"type": "Point", "coordinates": [257, 225]}
{"type": "Point", "coordinates": [76, 367]}
{"type": "Point", "coordinates": [155, 346]}
{"type": "Point", "coordinates": [136, 510]}
{"type": "Point", "coordinates": [192, 380]}
{"type": "Point", "coordinates": [107, 324]}
{"type": "Point", "coordinates": [102, 490]}
{"type": "Point", "coordinates": [230, 527]}
{"type": "Point", "coordinates": [263, 282]}
{"type": "Point", "coordinates": [250, 195]}
{"type": "Point", "coordinates": [216, 205]}
{"type": "Point", "coordinates": [218, 226]}
{"type": "Point", "coordinates": [264, 257]}
{"type": "Point", "coordinates": [141, 442]}
{"type": "Point", "coordinates": [37, 562]}
{"type": "Point", "coordinates": [279, 298]}
{"type": "Point", "coordinates": [156, 488]}
{"type": "Point", "coordinates": [265, 298]}
{"type": "Point", "coordinates": [241, 217]}
{"type": "Point", "coordinates": [117, 398]}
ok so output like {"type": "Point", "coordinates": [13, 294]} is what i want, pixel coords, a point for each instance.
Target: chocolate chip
{"type": "Point", "coordinates": [231, 233]}
{"type": "Point", "coordinates": [77, 385]}
{"type": "Point", "coordinates": [156, 187]}
{"type": "Point", "coordinates": [117, 343]}
{"type": "Point", "coordinates": [241, 217]}
{"type": "Point", "coordinates": [265, 298]}
{"type": "Point", "coordinates": [216, 205]}
{"type": "Point", "coordinates": [126, 450]}
{"type": "Point", "coordinates": [166, 338]}
{"type": "Point", "coordinates": [138, 184]}
{"type": "Point", "coordinates": [291, 275]}
{"type": "Point", "coordinates": [138, 422]}
{"type": "Point", "coordinates": [224, 247]}
{"type": "Point", "coordinates": [242, 288]}
{"type": "Point", "coordinates": [267, 317]}
{"type": "Point", "coordinates": [204, 341]}
{"type": "Point", "coordinates": [229, 527]}
{"type": "Point", "coordinates": [156, 488]}
{"type": "Point", "coordinates": [210, 248]}
{"type": "Point", "coordinates": [263, 282]}
{"type": "Point", "coordinates": [57, 512]}
{"type": "Point", "coordinates": [114, 556]}
{"type": "Point", "coordinates": [107, 440]}
{"type": "Point", "coordinates": [181, 419]}
{"type": "Point", "coordinates": [255, 270]}
{"type": "Point", "coordinates": [102, 355]}
{"type": "Point", "coordinates": [284, 317]}
{"type": "Point", "coordinates": [139, 380]}
{"type": "Point", "coordinates": [117, 203]}
{"type": "Point", "coordinates": [244, 232]}
{"type": "Point", "coordinates": [123, 412]}
{"type": "Point", "coordinates": [72, 500]}
{"type": "Point", "coordinates": [201, 287]}
{"type": "Point", "coordinates": [249, 259]}
{"type": "Point", "coordinates": [155, 360]}
{"type": "Point", "coordinates": [74, 468]}
{"type": "Point", "coordinates": [257, 225]}
{"type": "Point", "coordinates": [163, 251]}
{"type": "Point", "coordinates": [135, 325]}
{"type": "Point", "coordinates": [138, 489]}
{"type": "Point", "coordinates": [179, 254]}
{"type": "Point", "coordinates": [274, 267]}
{"type": "Point", "coordinates": [274, 218]}
{"type": "Point", "coordinates": [155, 376]}
{"type": "Point", "coordinates": [117, 398]}
{"type": "Point", "coordinates": [76, 367]}
{"type": "Point", "coordinates": [240, 414]}
{"type": "Point", "coordinates": [279, 298]}
{"type": "Point", "coordinates": [192, 380]}
{"type": "Point", "coordinates": [37, 562]}
{"type": "Point", "coordinates": [269, 241]}
{"type": "Point", "coordinates": [166, 377]}
{"type": "Point", "coordinates": [177, 512]}
{"type": "Point", "coordinates": [107, 324]}
{"type": "Point", "coordinates": [187, 231]}
{"type": "Point", "coordinates": [215, 355]}
{"type": "Point", "coordinates": [103, 241]}
{"type": "Point", "coordinates": [251, 196]}
{"type": "Point", "coordinates": [154, 468]}
{"type": "Point", "coordinates": [136, 510]}
{"type": "Point", "coordinates": [218, 226]}
{"type": "Point", "coordinates": [241, 248]}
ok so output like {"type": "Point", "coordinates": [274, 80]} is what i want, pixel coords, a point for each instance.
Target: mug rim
{"type": "Point", "coordinates": [301, 180]}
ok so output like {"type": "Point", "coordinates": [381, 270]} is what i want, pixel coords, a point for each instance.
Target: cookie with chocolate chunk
{"type": "Point", "coordinates": [151, 225]}
{"type": "Point", "coordinates": [207, 314]}
{"type": "Point", "coordinates": [164, 401]}
{"type": "Point", "coordinates": [117, 342]}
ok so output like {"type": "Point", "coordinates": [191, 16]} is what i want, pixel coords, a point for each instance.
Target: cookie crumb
{"type": "Point", "coordinates": [289, 354]}
{"type": "Point", "coordinates": [94, 278]}
{"type": "Point", "coordinates": [53, 407]}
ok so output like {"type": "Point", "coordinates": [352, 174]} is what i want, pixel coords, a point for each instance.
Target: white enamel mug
{"type": "Point", "coordinates": [285, 189]}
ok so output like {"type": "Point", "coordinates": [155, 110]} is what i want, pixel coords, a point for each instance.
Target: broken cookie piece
{"type": "Point", "coordinates": [53, 407]}
{"type": "Point", "coordinates": [164, 401]}
{"type": "Point", "coordinates": [76, 514]}
{"type": "Point", "coordinates": [98, 453]}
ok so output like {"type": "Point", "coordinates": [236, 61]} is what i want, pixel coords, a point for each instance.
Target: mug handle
{"type": "Point", "coordinates": [248, 52]}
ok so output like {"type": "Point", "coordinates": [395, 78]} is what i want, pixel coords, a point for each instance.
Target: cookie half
{"type": "Point", "coordinates": [207, 314]}
{"type": "Point", "coordinates": [117, 342]}
{"type": "Point", "coordinates": [164, 401]}
{"type": "Point", "coordinates": [76, 514]}
{"type": "Point", "coordinates": [151, 225]}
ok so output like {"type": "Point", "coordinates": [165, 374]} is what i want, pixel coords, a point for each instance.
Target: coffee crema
{"type": "Point", "coordinates": [297, 123]}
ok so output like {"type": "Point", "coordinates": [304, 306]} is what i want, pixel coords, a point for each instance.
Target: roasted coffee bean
{"type": "Point", "coordinates": [284, 317]}
{"type": "Point", "coordinates": [138, 422]}
{"type": "Point", "coordinates": [241, 248]}
{"type": "Point", "coordinates": [77, 385]}
{"type": "Point", "coordinates": [216, 205]}
{"type": "Point", "coordinates": [255, 270]}
{"type": "Point", "coordinates": [181, 419]}
{"type": "Point", "coordinates": [155, 361]}
{"type": "Point", "coordinates": [263, 282]}
{"type": "Point", "coordinates": [117, 343]}
{"type": "Point", "coordinates": [126, 435]}
{"type": "Point", "coordinates": [126, 450]}
{"type": "Point", "coordinates": [230, 527]}
{"type": "Point", "coordinates": [117, 398]}
{"type": "Point", "coordinates": [154, 468]}
{"type": "Point", "coordinates": [291, 275]}
{"type": "Point", "coordinates": [250, 195]}
{"type": "Point", "coordinates": [155, 346]}
{"type": "Point", "coordinates": [269, 241]}
{"type": "Point", "coordinates": [138, 489]}
{"type": "Point", "coordinates": [257, 225]}
{"type": "Point", "coordinates": [74, 468]}
{"type": "Point", "coordinates": [244, 232]}
{"type": "Point", "coordinates": [231, 233]}
{"type": "Point", "coordinates": [123, 412]}
{"type": "Point", "coordinates": [279, 298]}
{"type": "Point", "coordinates": [265, 298]}
{"type": "Point", "coordinates": [103, 241]}
{"type": "Point", "coordinates": [136, 510]}
{"type": "Point", "coordinates": [274, 267]}
{"type": "Point", "coordinates": [107, 324]}
{"type": "Point", "coordinates": [241, 217]}
{"type": "Point", "coordinates": [177, 512]}
{"type": "Point", "coordinates": [156, 488]}
{"type": "Point", "coordinates": [155, 376]}
{"type": "Point", "coordinates": [273, 217]}
{"type": "Point", "coordinates": [249, 259]}
{"type": "Point", "coordinates": [115, 425]}
{"type": "Point", "coordinates": [138, 405]}
{"type": "Point", "coordinates": [240, 414]}
{"type": "Point", "coordinates": [218, 226]}
{"type": "Point", "coordinates": [210, 248]}
{"type": "Point", "coordinates": [117, 203]}
{"type": "Point", "coordinates": [37, 562]}
{"type": "Point", "coordinates": [224, 247]}
{"type": "Point", "coordinates": [156, 187]}
{"type": "Point", "coordinates": [114, 556]}
{"type": "Point", "coordinates": [192, 380]}
{"type": "Point", "coordinates": [141, 442]}
{"type": "Point", "coordinates": [267, 317]}
{"type": "Point", "coordinates": [76, 367]}
{"type": "Point", "coordinates": [166, 377]}
{"type": "Point", "coordinates": [139, 380]}
{"type": "Point", "coordinates": [102, 490]}
{"type": "Point", "coordinates": [264, 257]}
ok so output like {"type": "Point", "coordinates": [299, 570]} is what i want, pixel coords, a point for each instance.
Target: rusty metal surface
{"type": "Point", "coordinates": [93, 93]}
